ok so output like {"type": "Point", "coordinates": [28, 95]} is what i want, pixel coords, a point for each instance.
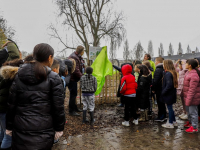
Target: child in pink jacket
{"type": "Point", "coordinates": [191, 93]}
{"type": "Point", "coordinates": [181, 70]}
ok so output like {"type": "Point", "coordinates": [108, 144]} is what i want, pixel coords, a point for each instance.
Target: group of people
{"type": "Point", "coordinates": [32, 93]}
{"type": "Point", "coordinates": [141, 80]}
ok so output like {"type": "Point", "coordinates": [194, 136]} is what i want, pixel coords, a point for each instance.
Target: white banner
{"type": "Point", "coordinates": [94, 52]}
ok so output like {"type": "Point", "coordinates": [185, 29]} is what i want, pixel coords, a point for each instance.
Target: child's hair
{"type": "Point", "coordinates": [89, 71]}
{"type": "Point", "coordinates": [28, 58]}
{"type": "Point", "coordinates": [138, 66]}
{"type": "Point", "coordinates": [194, 64]}
{"type": "Point", "coordinates": [160, 59]}
{"type": "Point", "coordinates": [147, 63]}
{"type": "Point", "coordinates": [169, 66]}
{"type": "Point", "coordinates": [149, 56]}
{"type": "Point", "coordinates": [55, 64]}
{"type": "Point", "coordinates": [14, 63]}
{"type": "Point", "coordinates": [137, 62]}
{"type": "Point", "coordinates": [145, 70]}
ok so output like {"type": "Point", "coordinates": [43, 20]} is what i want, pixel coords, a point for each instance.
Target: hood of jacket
{"type": "Point", "coordinates": [8, 72]}
{"type": "Point", "coordinates": [26, 74]}
{"type": "Point", "coordinates": [127, 69]}
{"type": "Point", "coordinates": [160, 65]}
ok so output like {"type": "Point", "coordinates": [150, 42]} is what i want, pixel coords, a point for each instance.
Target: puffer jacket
{"type": "Point", "coordinates": [158, 76]}
{"type": "Point", "coordinates": [168, 94]}
{"type": "Point", "coordinates": [128, 84]}
{"type": "Point", "coordinates": [143, 94]}
{"type": "Point", "coordinates": [71, 64]}
{"type": "Point", "coordinates": [181, 77]}
{"type": "Point", "coordinates": [8, 74]}
{"type": "Point", "coordinates": [76, 75]}
{"type": "Point", "coordinates": [36, 109]}
{"type": "Point", "coordinates": [191, 88]}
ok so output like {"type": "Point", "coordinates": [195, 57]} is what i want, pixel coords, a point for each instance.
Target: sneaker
{"type": "Point", "coordinates": [175, 124]}
{"type": "Point", "coordinates": [155, 102]}
{"type": "Point", "coordinates": [191, 130]}
{"type": "Point", "coordinates": [120, 105]}
{"type": "Point", "coordinates": [168, 125]}
{"type": "Point", "coordinates": [185, 117]}
{"type": "Point", "coordinates": [161, 119]}
{"type": "Point", "coordinates": [135, 121]}
{"type": "Point", "coordinates": [125, 123]}
{"type": "Point", "coordinates": [183, 114]}
{"type": "Point", "coordinates": [187, 124]}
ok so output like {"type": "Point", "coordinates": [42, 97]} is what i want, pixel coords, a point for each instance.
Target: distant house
{"type": "Point", "coordinates": [181, 56]}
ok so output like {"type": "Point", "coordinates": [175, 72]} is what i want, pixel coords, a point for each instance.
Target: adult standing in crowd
{"type": "Point", "coordinates": [36, 117]}
{"type": "Point", "coordinates": [75, 77]}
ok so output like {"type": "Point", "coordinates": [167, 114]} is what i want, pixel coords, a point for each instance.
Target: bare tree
{"type": "Point", "coordinates": [197, 50]}
{"type": "Point", "coordinates": [171, 50]}
{"type": "Point", "coordinates": [138, 52]}
{"type": "Point", "coordinates": [126, 52]}
{"type": "Point", "coordinates": [161, 50]}
{"type": "Point", "coordinates": [189, 50]}
{"type": "Point", "coordinates": [150, 48]}
{"type": "Point", "coordinates": [91, 21]}
{"type": "Point", "coordinates": [180, 50]}
{"type": "Point", "coordinates": [8, 30]}
{"type": "Point", "coordinates": [113, 48]}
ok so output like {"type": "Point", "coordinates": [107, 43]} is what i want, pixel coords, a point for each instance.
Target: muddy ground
{"type": "Point", "coordinates": [108, 133]}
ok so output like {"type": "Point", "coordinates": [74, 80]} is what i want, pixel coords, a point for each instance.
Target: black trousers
{"type": "Point", "coordinates": [73, 94]}
{"type": "Point", "coordinates": [161, 105]}
{"type": "Point", "coordinates": [130, 108]}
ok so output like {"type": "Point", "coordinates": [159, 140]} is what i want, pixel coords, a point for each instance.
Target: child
{"type": "Point", "coordinates": [168, 94]}
{"type": "Point", "coordinates": [88, 87]}
{"type": "Point", "coordinates": [128, 90]}
{"type": "Point", "coordinates": [136, 72]}
{"type": "Point", "coordinates": [55, 66]}
{"type": "Point", "coordinates": [143, 94]}
{"type": "Point", "coordinates": [181, 70]}
{"type": "Point", "coordinates": [191, 93]}
{"type": "Point", "coordinates": [157, 88]}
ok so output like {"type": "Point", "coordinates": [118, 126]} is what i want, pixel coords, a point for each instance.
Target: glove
{"type": "Point", "coordinates": [9, 132]}
{"type": "Point", "coordinates": [58, 135]}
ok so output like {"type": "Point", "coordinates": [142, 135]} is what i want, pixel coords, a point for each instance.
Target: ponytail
{"type": "Point", "coordinates": [198, 72]}
{"type": "Point", "coordinates": [41, 54]}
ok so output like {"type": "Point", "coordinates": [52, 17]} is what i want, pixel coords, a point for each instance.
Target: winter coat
{"type": "Point", "coordinates": [128, 84]}
{"type": "Point", "coordinates": [158, 76]}
{"type": "Point", "coordinates": [8, 73]}
{"type": "Point", "coordinates": [191, 88]}
{"type": "Point", "coordinates": [76, 75]}
{"type": "Point", "coordinates": [142, 95]}
{"type": "Point", "coordinates": [36, 109]}
{"type": "Point", "coordinates": [181, 76]}
{"type": "Point", "coordinates": [168, 94]}
{"type": "Point", "coordinates": [119, 69]}
{"type": "Point", "coordinates": [153, 66]}
{"type": "Point", "coordinates": [71, 64]}
{"type": "Point", "coordinates": [13, 51]}
{"type": "Point", "coordinates": [88, 84]}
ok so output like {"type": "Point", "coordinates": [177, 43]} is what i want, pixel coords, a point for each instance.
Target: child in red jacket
{"type": "Point", "coordinates": [128, 90]}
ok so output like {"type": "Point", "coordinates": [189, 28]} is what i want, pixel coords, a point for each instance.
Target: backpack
{"type": "Point", "coordinates": [3, 56]}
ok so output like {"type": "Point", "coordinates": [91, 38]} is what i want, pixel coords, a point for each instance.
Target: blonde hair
{"type": "Point", "coordinates": [169, 66]}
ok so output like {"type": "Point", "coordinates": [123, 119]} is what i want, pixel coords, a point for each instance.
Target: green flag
{"type": "Point", "coordinates": [101, 68]}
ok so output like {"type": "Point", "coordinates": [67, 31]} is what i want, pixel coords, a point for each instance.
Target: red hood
{"type": "Point", "coordinates": [126, 70]}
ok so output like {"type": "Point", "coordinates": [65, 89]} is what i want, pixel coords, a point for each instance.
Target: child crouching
{"type": "Point", "coordinates": [128, 89]}
{"type": "Point", "coordinates": [88, 87]}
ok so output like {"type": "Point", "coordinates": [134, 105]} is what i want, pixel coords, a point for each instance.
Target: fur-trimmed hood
{"type": "Point", "coordinates": [8, 72]}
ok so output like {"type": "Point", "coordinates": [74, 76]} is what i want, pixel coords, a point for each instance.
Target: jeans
{"type": "Point", "coordinates": [4, 138]}
{"type": "Point", "coordinates": [171, 114]}
{"type": "Point", "coordinates": [161, 106]}
{"type": "Point", "coordinates": [73, 93]}
{"type": "Point", "coordinates": [130, 108]}
{"type": "Point", "coordinates": [192, 112]}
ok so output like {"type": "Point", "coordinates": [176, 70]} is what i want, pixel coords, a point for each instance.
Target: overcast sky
{"type": "Point", "coordinates": [157, 20]}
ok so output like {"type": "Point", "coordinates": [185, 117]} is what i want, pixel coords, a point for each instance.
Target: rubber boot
{"type": "Point", "coordinates": [84, 116]}
{"type": "Point", "coordinates": [92, 118]}
{"type": "Point", "coordinates": [142, 116]}
{"type": "Point", "coordinates": [146, 114]}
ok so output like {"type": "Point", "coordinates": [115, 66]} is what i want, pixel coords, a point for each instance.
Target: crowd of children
{"type": "Point", "coordinates": [35, 87]}
{"type": "Point", "coordinates": [169, 80]}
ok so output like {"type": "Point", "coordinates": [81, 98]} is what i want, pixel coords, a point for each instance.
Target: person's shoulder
{"type": "Point", "coordinates": [54, 75]}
